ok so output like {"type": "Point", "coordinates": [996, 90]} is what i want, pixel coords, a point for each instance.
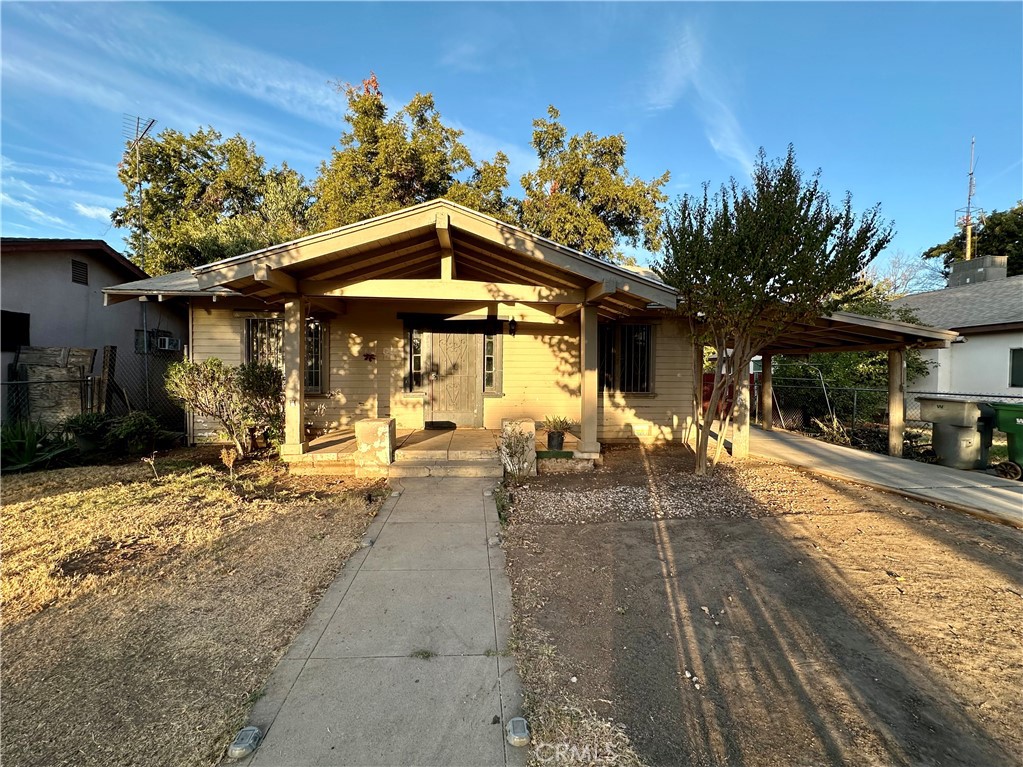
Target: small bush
{"type": "Point", "coordinates": [89, 426]}
{"type": "Point", "coordinates": [262, 391]}
{"type": "Point", "coordinates": [210, 388]}
{"type": "Point", "coordinates": [137, 432]}
{"type": "Point", "coordinates": [517, 451]}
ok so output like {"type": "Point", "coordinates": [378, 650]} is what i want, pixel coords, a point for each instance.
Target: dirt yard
{"type": "Point", "coordinates": [142, 615]}
{"type": "Point", "coordinates": [766, 617]}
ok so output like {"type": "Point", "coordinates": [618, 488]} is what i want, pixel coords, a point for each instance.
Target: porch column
{"type": "Point", "coordinates": [293, 349]}
{"type": "Point", "coordinates": [740, 418]}
{"type": "Point", "coordinates": [896, 400]}
{"type": "Point", "coordinates": [588, 375]}
{"type": "Point", "coordinates": [766, 393]}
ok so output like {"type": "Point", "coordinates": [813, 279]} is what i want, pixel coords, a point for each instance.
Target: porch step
{"type": "Point", "coordinates": [415, 455]}
{"type": "Point", "coordinates": [442, 468]}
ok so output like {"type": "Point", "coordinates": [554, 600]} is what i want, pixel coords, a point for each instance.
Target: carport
{"type": "Point", "coordinates": [845, 332]}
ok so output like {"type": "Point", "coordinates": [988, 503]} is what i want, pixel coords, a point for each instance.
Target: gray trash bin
{"type": "Point", "coordinates": [962, 433]}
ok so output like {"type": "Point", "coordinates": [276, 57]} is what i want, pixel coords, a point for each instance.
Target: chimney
{"type": "Point", "coordinates": [980, 269]}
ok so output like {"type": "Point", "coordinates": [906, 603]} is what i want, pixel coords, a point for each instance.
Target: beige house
{"type": "Point", "coordinates": [438, 315]}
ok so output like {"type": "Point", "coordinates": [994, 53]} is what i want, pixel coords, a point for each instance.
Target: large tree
{"type": "Point", "coordinates": [387, 163]}
{"type": "Point", "coordinates": [582, 195]}
{"type": "Point", "coordinates": [204, 197]}
{"type": "Point", "coordinates": [999, 234]}
{"type": "Point", "coordinates": [749, 262]}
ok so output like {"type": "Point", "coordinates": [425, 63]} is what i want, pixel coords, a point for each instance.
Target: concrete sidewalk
{"type": "Point", "coordinates": [973, 491]}
{"type": "Point", "coordinates": [355, 689]}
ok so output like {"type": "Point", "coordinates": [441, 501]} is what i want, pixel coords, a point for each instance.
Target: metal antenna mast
{"type": "Point", "coordinates": [964, 216]}
{"type": "Point", "coordinates": [135, 129]}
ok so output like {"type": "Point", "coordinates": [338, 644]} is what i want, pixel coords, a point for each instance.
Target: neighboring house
{"type": "Point", "coordinates": [51, 295]}
{"type": "Point", "coordinates": [438, 315]}
{"type": "Point", "coordinates": [986, 308]}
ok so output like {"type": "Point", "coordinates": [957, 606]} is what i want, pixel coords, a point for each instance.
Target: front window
{"type": "Point", "coordinates": [625, 357]}
{"type": "Point", "coordinates": [1016, 368]}
{"type": "Point", "coordinates": [414, 377]}
{"type": "Point", "coordinates": [265, 343]}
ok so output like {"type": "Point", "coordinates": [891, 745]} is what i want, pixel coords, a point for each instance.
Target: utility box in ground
{"type": "Point", "coordinates": [962, 432]}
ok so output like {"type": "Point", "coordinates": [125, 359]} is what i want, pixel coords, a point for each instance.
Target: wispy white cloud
{"type": "Point", "coordinates": [123, 38]}
{"type": "Point", "coordinates": [30, 211]}
{"type": "Point", "coordinates": [680, 72]}
{"type": "Point", "coordinates": [97, 212]}
{"type": "Point", "coordinates": [465, 56]}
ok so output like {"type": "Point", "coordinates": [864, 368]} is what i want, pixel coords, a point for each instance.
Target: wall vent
{"type": "Point", "coordinates": [79, 272]}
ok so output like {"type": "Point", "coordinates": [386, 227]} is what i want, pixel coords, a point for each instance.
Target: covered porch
{"type": "Point", "coordinates": [438, 315]}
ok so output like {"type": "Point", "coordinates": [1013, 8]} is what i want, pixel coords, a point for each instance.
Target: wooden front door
{"type": "Point", "coordinates": [456, 380]}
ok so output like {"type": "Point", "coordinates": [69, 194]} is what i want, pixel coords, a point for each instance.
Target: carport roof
{"type": "Point", "coordinates": [848, 332]}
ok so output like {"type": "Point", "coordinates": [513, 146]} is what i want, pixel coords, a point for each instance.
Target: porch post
{"type": "Point", "coordinates": [740, 418]}
{"type": "Point", "coordinates": [896, 400]}
{"type": "Point", "coordinates": [293, 348]}
{"type": "Point", "coordinates": [766, 393]}
{"type": "Point", "coordinates": [588, 374]}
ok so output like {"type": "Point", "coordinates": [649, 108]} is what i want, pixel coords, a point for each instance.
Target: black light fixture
{"type": "Point", "coordinates": [512, 327]}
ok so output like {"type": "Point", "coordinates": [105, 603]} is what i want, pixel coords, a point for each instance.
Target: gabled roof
{"type": "Point", "coordinates": [99, 248]}
{"type": "Point", "coordinates": [412, 244]}
{"type": "Point", "coordinates": [980, 305]}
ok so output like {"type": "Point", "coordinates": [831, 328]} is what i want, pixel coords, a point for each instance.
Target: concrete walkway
{"type": "Point", "coordinates": [355, 689]}
{"type": "Point", "coordinates": [972, 491]}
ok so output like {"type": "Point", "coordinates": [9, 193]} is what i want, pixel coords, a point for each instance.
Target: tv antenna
{"type": "Point", "coordinates": [134, 129]}
{"type": "Point", "coordinates": [964, 216]}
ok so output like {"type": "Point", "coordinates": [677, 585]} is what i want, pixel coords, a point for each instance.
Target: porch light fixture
{"type": "Point", "coordinates": [512, 327]}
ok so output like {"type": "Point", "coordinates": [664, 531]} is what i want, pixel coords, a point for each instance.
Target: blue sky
{"type": "Point", "coordinates": [884, 98]}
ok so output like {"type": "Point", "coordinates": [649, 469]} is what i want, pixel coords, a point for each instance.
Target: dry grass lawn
{"type": "Point", "coordinates": [142, 615]}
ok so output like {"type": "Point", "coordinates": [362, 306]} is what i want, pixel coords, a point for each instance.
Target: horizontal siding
{"type": "Point", "coordinates": [365, 372]}
{"type": "Point", "coordinates": [664, 414]}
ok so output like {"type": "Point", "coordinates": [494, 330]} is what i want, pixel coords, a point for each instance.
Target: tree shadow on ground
{"type": "Point", "coordinates": [796, 665]}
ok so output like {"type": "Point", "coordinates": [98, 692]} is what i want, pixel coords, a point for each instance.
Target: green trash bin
{"type": "Point", "coordinates": [1009, 418]}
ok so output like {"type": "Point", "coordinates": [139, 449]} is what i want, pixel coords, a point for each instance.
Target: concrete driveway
{"type": "Point", "coordinates": [976, 492]}
{"type": "Point", "coordinates": [404, 660]}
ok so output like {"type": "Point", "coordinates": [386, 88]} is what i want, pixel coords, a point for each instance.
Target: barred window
{"type": "Point", "coordinates": [624, 357]}
{"type": "Point", "coordinates": [265, 343]}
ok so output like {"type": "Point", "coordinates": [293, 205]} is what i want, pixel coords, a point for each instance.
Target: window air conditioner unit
{"type": "Point", "coordinates": [166, 344]}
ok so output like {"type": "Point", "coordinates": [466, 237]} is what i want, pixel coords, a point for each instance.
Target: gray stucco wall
{"type": "Point", "coordinates": [64, 313]}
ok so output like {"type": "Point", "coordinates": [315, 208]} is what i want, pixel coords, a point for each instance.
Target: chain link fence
{"type": "Point", "coordinates": [129, 380]}
{"type": "Point", "coordinates": [811, 406]}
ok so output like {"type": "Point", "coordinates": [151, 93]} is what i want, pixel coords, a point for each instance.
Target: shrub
{"type": "Point", "coordinates": [262, 391]}
{"type": "Point", "coordinates": [27, 446]}
{"type": "Point", "coordinates": [134, 433]}
{"type": "Point", "coordinates": [517, 453]}
{"type": "Point", "coordinates": [90, 429]}
{"type": "Point", "coordinates": [210, 388]}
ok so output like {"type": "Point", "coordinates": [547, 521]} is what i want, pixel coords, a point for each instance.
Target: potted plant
{"type": "Point", "coordinates": [556, 427]}
{"type": "Point", "coordinates": [89, 429]}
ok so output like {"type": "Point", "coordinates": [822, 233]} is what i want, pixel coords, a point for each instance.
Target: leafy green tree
{"type": "Point", "coordinates": [203, 198]}
{"type": "Point", "coordinates": [1001, 234]}
{"type": "Point", "coordinates": [388, 163]}
{"type": "Point", "coordinates": [749, 262]}
{"type": "Point", "coordinates": [583, 196]}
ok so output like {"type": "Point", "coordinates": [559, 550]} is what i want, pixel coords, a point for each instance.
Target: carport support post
{"type": "Point", "coordinates": [293, 348]}
{"type": "Point", "coordinates": [588, 373]}
{"type": "Point", "coordinates": [896, 400]}
{"type": "Point", "coordinates": [766, 393]}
